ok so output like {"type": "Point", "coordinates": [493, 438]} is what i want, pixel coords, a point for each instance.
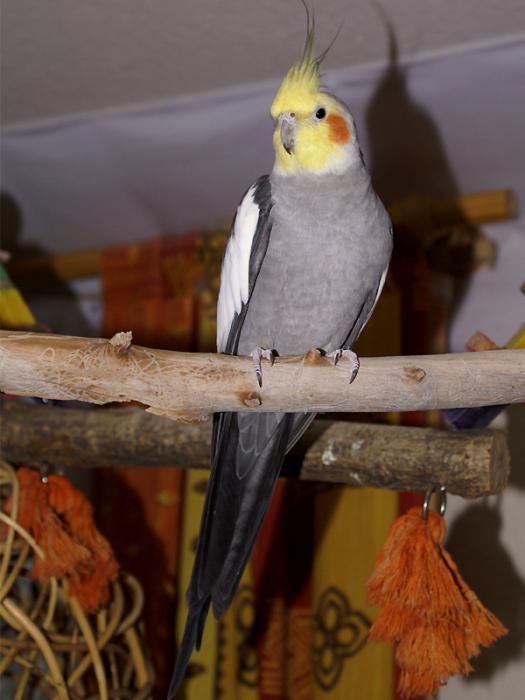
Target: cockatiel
{"type": "Point", "coordinates": [304, 266]}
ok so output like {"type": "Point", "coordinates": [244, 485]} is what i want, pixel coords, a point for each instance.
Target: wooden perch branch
{"type": "Point", "coordinates": [190, 386]}
{"type": "Point", "coordinates": [470, 463]}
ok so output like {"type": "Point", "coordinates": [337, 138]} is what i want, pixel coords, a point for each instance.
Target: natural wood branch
{"type": "Point", "coordinates": [469, 463]}
{"type": "Point", "coordinates": [193, 385]}
{"type": "Point", "coordinates": [426, 211]}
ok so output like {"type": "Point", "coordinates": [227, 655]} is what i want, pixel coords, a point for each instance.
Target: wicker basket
{"type": "Point", "coordinates": [47, 643]}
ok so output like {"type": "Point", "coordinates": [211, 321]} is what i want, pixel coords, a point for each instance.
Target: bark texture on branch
{"type": "Point", "coordinates": [469, 463]}
{"type": "Point", "coordinates": [193, 385]}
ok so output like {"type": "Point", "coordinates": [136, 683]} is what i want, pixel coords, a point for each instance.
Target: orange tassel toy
{"type": "Point", "coordinates": [60, 519]}
{"type": "Point", "coordinates": [436, 622]}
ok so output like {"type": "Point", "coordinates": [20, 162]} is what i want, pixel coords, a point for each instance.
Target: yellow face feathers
{"type": "Point", "coordinates": [319, 144]}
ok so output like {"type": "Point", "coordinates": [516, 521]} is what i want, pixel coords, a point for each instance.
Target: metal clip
{"type": "Point", "coordinates": [442, 492]}
{"type": "Point", "coordinates": [45, 471]}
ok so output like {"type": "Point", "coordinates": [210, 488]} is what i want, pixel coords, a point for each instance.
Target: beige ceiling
{"type": "Point", "coordinates": [64, 56]}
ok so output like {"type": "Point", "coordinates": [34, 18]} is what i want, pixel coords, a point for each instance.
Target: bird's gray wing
{"type": "Point", "coordinates": [242, 261]}
{"type": "Point", "coordinates": [232, 307]}
{"type": "Point", "coordinates": [247, 449]}
{"type": "Point", "coordinates": [365, 312]}
{"type": "Point", "coordinates": [249, 457]}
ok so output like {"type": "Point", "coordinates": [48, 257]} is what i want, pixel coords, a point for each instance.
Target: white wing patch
{"type": "Point", "coordinates": [378, 294]}
{"type": "Point", "coordinates": [235, 273]}
{"type": "Point", "coordinates": [379, 289]}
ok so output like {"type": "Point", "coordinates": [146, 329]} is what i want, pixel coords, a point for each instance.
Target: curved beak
{"type": "Point", "coordinates": [288, 130]}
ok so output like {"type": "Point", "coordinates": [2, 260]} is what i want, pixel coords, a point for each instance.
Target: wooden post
{"type": "Point", "coordinates": [470, 463]}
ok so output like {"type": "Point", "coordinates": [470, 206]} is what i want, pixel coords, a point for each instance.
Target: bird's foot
{"type": "Point", "coordinates": [257, 356]}
{"type": "Point", "coordinates": [336, 355]}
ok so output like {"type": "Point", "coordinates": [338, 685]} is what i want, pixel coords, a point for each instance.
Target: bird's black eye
{"type": "Point", "coordinates": [321, 113]}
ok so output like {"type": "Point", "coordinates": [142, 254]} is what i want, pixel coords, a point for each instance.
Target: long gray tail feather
{"type": "Point", "coordinates": [248, 453]}
{"type": "Point", "coordinates": [188, 644]}
{"type": "Point", "coordinates": [201, 622]}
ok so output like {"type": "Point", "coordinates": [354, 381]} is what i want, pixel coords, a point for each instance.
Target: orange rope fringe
{"type": "Point", "coordinates": [60, 518]}
{"type": "Point", "coordinates": [428, 611]}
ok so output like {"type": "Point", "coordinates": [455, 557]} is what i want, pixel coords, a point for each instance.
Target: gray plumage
{"type": "Point", "coordinates": [330, 244]}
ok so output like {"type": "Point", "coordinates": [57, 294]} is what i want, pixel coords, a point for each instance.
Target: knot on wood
{"type": "Point", "coordinates": [313, 357]}
{"type": "Point", "coordinates": [251, 399]}
{"type": "Point", "coordinates": [121, 342]}
{"type": "Point", "coordinates": [413, 375]}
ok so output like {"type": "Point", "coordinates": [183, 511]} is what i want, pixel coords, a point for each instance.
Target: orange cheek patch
{"type": "Point", "coordinates": [339, 132]}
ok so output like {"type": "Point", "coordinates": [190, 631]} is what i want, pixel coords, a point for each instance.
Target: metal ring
{"type": "Point", "coordinates": [442, 491]}
{"type": "Point", "coordinates": [44, 470]}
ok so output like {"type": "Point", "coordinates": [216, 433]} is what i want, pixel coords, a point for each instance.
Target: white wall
{"type": "Point", "coordinates": [63, 56]}
{"type": "Point", "coordinates": [445, 125]}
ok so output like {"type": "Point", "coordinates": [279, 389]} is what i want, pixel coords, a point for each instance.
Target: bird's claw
{"type": "Point", "coordinates": [257, 356]}
{"type": "Point", "coordinates": [336, 355]}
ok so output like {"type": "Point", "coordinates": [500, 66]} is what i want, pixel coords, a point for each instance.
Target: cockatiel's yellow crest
{"type": "Point", "coordinates": [301, 84]}
{"type": "Point", "coordinates": [314, 131]}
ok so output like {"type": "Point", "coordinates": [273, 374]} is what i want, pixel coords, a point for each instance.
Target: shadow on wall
{"type": "Point", "coordinates": [515, 432]}
{"type": "Point", "coordinates": [488, 569]}
{"type": "Point", "coordinates": [407, 157]}
{"type": "Point", "coordinates": [52, 301]}
{"type": "Point", "coordinates": [137, 547]}
{"type": "Point", "coordinates": [12, 228]}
